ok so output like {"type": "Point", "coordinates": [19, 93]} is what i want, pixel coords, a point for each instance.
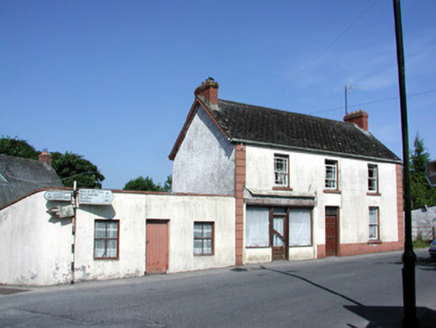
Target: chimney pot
{"type": "Point", "coordinates": [45, 157]}
{"type": "Point", "coordinates": [209, 90]}
{"type": "Point", "coordinates": [360, 118]}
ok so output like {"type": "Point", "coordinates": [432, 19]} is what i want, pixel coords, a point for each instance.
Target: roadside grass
{"type": "Point", "coordinates": [420, 243]}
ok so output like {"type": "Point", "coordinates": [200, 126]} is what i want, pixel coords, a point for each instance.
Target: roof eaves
{"type": "Point", "coordinates": [190, 117]}
{"type": "Point", "coordinates": [314, 151]}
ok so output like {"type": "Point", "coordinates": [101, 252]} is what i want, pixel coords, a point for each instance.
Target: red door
{"type": "Point", "coordinates": [331, 231]}
{"type": "Point", "coordinates": [156, 248]}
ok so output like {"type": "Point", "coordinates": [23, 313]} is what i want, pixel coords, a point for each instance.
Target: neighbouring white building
{"type": "Point", "coordinates": [250, 184]}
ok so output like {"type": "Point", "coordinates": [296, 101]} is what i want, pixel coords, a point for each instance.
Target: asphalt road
{"type": "Point", "coordinates": [360, 291]}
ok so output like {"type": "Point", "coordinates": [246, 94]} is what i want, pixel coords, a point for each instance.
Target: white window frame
{"type": "Point", "coordinates": [373, 182]}
{"type": "Point", "coordinates": [374, 223]}
{"type": "Point", "coordinates": [331, 183]}
{"type": "Point", "coordinates": [281, 170]}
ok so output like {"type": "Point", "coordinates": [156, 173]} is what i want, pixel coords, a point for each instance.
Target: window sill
{"type": "Point", "coordinates": [332, 191]}
{"type": "Point", "coordinates": [374, 242]}
{"type": "Point", "coordinates": [257, 247]}
{"type": "Point", "coordinates": [201, 255]}
{"type": "Point", "coordinates": [373, 194]}
{"type": "Point", "coordinates": [106, 258]}
{"type": "Point", "coordinates": [282, 188]}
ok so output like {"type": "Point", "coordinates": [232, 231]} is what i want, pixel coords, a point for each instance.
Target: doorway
{"type": "Point", "coordinates": [279, 233]}
{"type": "Point", "coordinates": [156, 246]}
{"type": "Point", "coordinates": [331, 231]}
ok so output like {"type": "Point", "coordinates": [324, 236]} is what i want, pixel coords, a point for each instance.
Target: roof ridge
{"type": "Point", "coordinates": [285, 111]}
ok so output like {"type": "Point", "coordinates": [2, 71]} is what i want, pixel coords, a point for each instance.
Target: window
{"type": "Point", "coordinates": [281, 172]}
{"type": "Point", "coordinates": [372, 178]}
{"type": "Point", "coordinates": [373, 223]}
{"type": "Point", "coordinates": [106, 239]}
{"type": "Point", "coordinates": [300, 227]}
{"type": "Point", "coordinates": [203, 238]}
{"type": "Point", "coordinates": [331, 174]}
{"type": "Point", "coordinates": [257, 227]}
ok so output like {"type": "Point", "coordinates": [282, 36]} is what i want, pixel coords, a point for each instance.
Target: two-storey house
{"type": "Point", "coordinates": [304, 186]}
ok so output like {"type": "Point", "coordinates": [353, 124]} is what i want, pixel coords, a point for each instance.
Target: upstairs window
{"type": "Point", "coordinates": [106, 238]}
{"type": "Point", "coordinates": [372, 178]}
{"type": "Point", "coordinates": [281, 171]}
{"type": "Point", "coordinates": [331, 174]}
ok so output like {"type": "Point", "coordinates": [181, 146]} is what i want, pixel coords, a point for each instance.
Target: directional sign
{"type": "Point", "coordinates": [62, 212]}
{"type": "Point", "coordinates": [95, 197]}
{"type": "Point", "coordinates": [61, 195]}
{"type": "Point", "coordinates": [430, 173]}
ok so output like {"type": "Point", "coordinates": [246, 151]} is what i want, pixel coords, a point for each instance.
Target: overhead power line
{"type": "Point", "coordinates": [371, 102]}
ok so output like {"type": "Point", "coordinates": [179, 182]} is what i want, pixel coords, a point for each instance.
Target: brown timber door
{"type": "Point", "coordinates": [279, 234]}
{"type": "Point", "coordinates": [331, 231]}
{"type": "Point", "coordinates": [156, 248]}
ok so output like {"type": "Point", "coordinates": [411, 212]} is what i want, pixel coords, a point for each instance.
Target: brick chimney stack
{"type": "Point", "coordinates": [360, 118]}
{"type": "Point", "coordinates": [209, 90]}
{"type": "Point", "coordinates": [45, 157]}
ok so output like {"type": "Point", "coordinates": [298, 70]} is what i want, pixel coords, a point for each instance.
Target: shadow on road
{"type": "Point", "coordinates": [378, 316]}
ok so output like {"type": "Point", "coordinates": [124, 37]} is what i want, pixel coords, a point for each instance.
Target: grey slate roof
{"type": "Point", "coordinates": [20, 176]}
{"type": "Point", "coordinates": [260, 125]}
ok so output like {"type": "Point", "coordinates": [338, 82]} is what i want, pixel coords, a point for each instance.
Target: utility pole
{"type": "Point", "coordinates": [409, 257]}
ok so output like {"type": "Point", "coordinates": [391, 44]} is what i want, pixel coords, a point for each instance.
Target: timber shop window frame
{"type": "Point", "coordinates": [204, 238]}
{"type": "Point", "coordinates": [373, 181]}
{"type": "Point", "coordinates": [331, 174]}
{"type": "Point", "coordinates": [281, 170]}
{"type": "Point", "coordinates": [106, 239]}
{"type": "Point", "coordinates": [374, 224]}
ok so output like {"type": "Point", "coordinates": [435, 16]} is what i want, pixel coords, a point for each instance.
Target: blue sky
{"type": "Point", "coordinates": [114, 80]}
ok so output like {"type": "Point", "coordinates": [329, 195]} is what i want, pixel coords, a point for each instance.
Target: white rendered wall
{"type": "Point", "coordinates": [35, 249]}
{"type": "Point", "coordinates": [132, 211]}
{"type": "Point", "coordinates": [183, 211]}
{"type": "Point", "coordinates": [205, 161]}
{"type": "Point", "coordinates": [307, 176]}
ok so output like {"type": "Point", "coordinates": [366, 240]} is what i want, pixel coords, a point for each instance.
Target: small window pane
{"type": "Point", "coordinates": [207, 246]}
{"type": "Point", "coordinates": [198, 230]}
{"type": "Point", "coordinates": [207, 230]}
{"type": "Point", "coordinates": [100, 229]}
{"type": "Point", "coordinates": [99, 248]}
{"type": "Point", "coordinates": [112, 229]}
{"type": "Point", "coordinates": [198, 246]}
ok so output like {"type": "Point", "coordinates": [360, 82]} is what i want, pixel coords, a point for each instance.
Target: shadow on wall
{"type": "Point", "coordinates": [102, 211]}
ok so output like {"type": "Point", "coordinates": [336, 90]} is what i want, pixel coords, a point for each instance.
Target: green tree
{"type": "Point", "coordinates": [420, 191]}
{"type": "Point", "coordinates": [72, 167]}
{"type": "Point", "coordinates": [142, 184]}
{"type": "Point", "coordinates": [16, 147]}
{"type": "Point", "coordinates": [168, 184]}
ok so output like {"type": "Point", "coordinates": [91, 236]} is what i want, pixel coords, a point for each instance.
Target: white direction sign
{"type": "Point", "coordinates": [95, 197]}
{"type": "Point", "coordinates": [62, 212]}
{"type": "Point", "coordinates": [61, 195]}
